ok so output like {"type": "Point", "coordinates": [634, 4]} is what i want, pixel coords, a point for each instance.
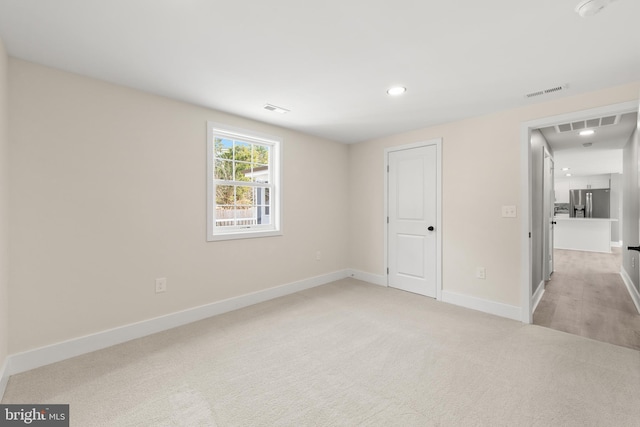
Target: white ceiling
{"type": "Point", "coordinates": [603, 156]}
{"type": "Point", "coordinates": [330, 62]}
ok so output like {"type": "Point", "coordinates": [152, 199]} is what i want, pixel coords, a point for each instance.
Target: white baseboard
{"type": "Point", "coordinates": [4, 377]}
{"type": "Point", "coordinates": [635, 296]}
{"type": "Point", "coordinates": [42, 356]}
{"type": "Point", "coordinates": [537, 296]}
{"type": "Point", "coordinates": [376, 279]}
{"type": "Point", "coordinates": [486, 306]}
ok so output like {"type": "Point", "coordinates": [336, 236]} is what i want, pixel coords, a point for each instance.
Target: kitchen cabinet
{"type": "Point", "coordinates": [562, 187]}
{"type": "Point", "coordinates": [590, 182]}
{"type": "Point", "coordinates": [583, 234]}
{"type": "Point", "coordinates": [579, 183]}
{"type": "Point", "coordinates": [600, 181]}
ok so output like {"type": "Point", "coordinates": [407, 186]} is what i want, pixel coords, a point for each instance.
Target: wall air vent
{"type": "Point", "coordinates": [547, 91]}
{"type": "Point", "coordinates": [588, 124]}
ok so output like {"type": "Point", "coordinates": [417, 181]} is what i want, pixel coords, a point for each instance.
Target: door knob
{"type": "Point", "coordinates": [430, 228]}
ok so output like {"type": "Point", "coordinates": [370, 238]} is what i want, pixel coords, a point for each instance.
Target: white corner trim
{"type": "Point", "coordinates": [375, 279]}
{"type": "Point", "coordinates": [4, 377]}
{"type": "Point", "coordinates": [42, 356]}
{"type": "Point", "coordinates": [499, 309]}
{"type": "Point", "coordinates": [635, 296]}
{"type": "Point", "coordinates": [615, 244]}
{"type": "Point", "coordinates": [535, 299]}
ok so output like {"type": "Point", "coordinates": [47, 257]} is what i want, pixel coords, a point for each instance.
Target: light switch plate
{"type": "Point", "coordinates": [509, 212]}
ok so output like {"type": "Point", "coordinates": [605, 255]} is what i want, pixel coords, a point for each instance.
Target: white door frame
{"type": "Point", "coordinates": [438, 143]}
{"type": "Point", "coordinates": [547, 216]}
{"type": "Point", "coordinates": [526, 187]}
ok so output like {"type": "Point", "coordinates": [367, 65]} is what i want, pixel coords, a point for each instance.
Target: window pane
{"type": "Point", "coordinates": [242, 151]}
{"type": "Point", "coordinates": [223, 148]}
{"type": "Point", "coordinates": [243, 171]}
{"type": "Point", "coordinates": [262, 215]}
{"type": "Point", "coordinates": [263, 207]}
{"type": "Point", "coordinates": [224, 170]}
{"type": "Point", "coordinates": [261, 195]}
{"type": "Point", "coordinates": [260, 174]}
{"type": "Point", "coordinates": [245, 216]}
{"type": "Point", "coordinates": [224, 195]}
{"type": "Point", "coordinates": [225, 216]}
{"type": "Point", "coordinates": [245, 196]}
{"type": "Point", "coordinates": [261, 155]}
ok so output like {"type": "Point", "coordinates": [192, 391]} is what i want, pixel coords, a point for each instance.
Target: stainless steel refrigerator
{"type": "Point", "coordinates": [589, 203]}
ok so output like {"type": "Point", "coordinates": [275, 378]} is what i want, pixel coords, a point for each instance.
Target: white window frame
{"type": "Point", "coordinates": [275, 194]}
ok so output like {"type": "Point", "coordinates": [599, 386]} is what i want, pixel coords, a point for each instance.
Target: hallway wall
{"type": "Point", "coordinates": [631, 209]}
{"type": "Point", "coordinates": [538, 145]}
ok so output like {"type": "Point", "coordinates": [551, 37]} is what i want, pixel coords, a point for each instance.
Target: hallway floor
{"type": "Point", "coordinates": [586, 296]}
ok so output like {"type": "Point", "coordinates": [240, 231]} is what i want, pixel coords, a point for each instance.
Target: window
{"type": "Point", "coordinates": [243, 184]}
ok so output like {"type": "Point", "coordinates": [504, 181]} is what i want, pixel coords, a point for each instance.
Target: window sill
{"type": "Point", "coordinates": [253, 234]}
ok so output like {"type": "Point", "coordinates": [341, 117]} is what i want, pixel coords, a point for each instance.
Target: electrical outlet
{"type": "Point", "coordinates": [509, 212]}
{"type": "Point", "coordinates": [481, 273]}
{"type": "Point", "coordinates": [161, 285]}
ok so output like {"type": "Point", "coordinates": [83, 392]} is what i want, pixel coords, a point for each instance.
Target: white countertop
{"type": "Point", "coordinates": [583, 234]}
{"type": "Point", "coordinates": [566, 218]}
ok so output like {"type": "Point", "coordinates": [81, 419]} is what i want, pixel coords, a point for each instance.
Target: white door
{"type": "Point", "coordinates": [412, 217]}
{"type": "Point", "coordinates": [548, 203]}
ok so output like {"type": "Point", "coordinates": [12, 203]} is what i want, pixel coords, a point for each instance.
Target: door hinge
{"type": "Point", "coordinates": [387, 168]}
{"type": "Point", "coordinates": [387, 270]}
{"type": "Point", "coordinates": [387, 220]}
{"type": "Point", "coordinates": [529, 234]}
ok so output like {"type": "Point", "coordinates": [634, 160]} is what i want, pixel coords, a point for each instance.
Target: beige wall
{"type": "Point", "coordinates": [4, 208]}
{"type": "Point", "coordinates": [108, 193]}
{"type": "Point", "coordinates": [481, 172]}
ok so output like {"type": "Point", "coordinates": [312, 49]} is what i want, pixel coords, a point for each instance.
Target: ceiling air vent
{"type": "Point", "coordinates": [578, 125]}
{"type": "Point", "coordinates": [588, 124]}
{"type": "Point", "coordinates": [592, 123]}
{"type": "Point", "coordinates": [547, 91]}
{"type": "Point", "coordinates": [611, 120]}
{"type": "Point", "coordinates": [275, 108]}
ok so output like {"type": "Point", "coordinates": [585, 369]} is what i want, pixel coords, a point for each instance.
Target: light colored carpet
{"type": "Point", "coordinates": [346, 354]}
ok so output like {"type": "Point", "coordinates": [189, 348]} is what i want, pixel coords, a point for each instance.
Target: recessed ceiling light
{"type": "Point", "coordinates": [565, 169]}
{"type": "Point", "coordinates": [568, 174]}
{"type": "Point", "coordinates": [397, 90]}
{"type": "Point", "coordinates": [587, 132]}
{"type": "Point", "coordinates": [275, 108]}
{"type": "Point", "coordinates": [591, 7]}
